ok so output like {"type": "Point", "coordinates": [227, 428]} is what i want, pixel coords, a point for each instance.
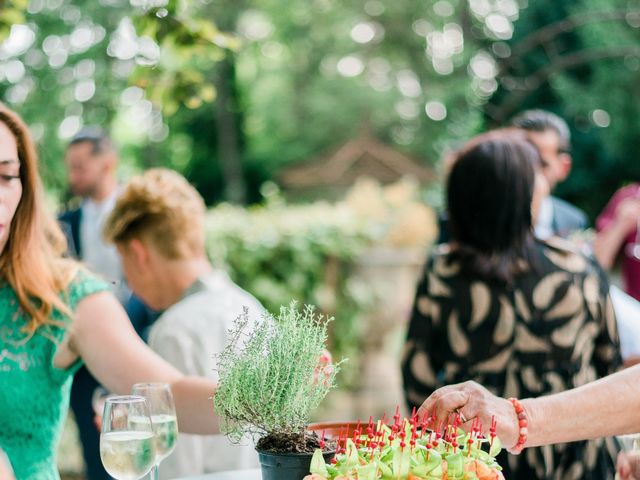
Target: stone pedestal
{"type": "Point", "coordinates": [390, 276]}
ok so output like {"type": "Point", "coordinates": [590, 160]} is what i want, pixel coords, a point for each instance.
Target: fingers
{"type": "Point", "coordinates": [463, 417]}
{"type": "Point", "coordinates": [634, 465]}
{"type": "Point", "coordinates": [623, 468]}
{"type": "Point", "coordinates": [443, 403]}
{"type": "Point", "coordinates": [628, 466]}
{"type": "Point", "coordinates": [97, 421]}
{"type": "Point", "coordinates": [472, 401]}
{"type": "Point", "coordinates": [441, 400]}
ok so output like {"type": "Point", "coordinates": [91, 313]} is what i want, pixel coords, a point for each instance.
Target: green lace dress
{"type": "Point", "coordinates": [34, 395]}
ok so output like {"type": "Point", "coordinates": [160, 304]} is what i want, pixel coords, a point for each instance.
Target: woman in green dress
{"type": "Point", "coordinates": [54, 316]}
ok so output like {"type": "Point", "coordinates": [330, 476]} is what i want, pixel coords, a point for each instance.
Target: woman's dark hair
{"type": "Point", "coordinates": [489, 193]}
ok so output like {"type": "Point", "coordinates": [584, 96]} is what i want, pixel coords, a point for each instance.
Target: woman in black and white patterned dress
{"type": "Point", "coordinates": [520, 316]}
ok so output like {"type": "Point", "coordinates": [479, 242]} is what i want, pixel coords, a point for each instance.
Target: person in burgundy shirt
{"type": "Point", "coordinates": [618, 236]}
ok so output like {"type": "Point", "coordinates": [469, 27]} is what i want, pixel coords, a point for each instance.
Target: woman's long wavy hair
{"type": "Point", "coordinates": [32, 260]}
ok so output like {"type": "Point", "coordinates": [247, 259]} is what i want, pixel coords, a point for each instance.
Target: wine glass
{"type": "Point", "coordinates": [126, 439]}
{"type": "Point", "coordinates": [630, 443]}
{"type": "Point", "coordinates": [163, 419]}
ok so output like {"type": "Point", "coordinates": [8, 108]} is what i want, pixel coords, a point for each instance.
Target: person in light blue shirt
{"type": "Point", "coordinates": [551, 136]}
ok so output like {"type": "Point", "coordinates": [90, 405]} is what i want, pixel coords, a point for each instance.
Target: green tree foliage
{"type": "Point", "coordinates": [316, 73]}
{"type": "Point", "coordinates": [301, 79]}
{"type": "Point", "coordinates": [11, 14]}
{"type": "Point", "coordinates": [302, 76]}
{"type": "Point", "coordinates": [57, 73]}
{"type": "Point", "coordinates": [188, 46]}
{"type": "Point", "coordinates": [66, 63]}
{"type": "Point", "coordinates": [580, 59]}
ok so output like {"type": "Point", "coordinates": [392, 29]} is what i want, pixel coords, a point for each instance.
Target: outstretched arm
{"type": "Point", "coordinates": [609, 406]}
{"type": "Point", "coordinates": [622, 221]}
{"type": "Point", "coordinates": [608, 242]}
{"type": "Point", "coordinates": [104, 338]}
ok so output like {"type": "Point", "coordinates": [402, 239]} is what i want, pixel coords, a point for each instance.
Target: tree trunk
{"type": "Point", "coordinates": [228, 133]}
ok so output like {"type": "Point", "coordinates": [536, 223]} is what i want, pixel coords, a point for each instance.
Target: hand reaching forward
{"type": "Point", "coordinates": [473, 401]}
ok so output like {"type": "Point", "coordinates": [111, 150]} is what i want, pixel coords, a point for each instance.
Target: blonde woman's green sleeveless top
{"type": "Point", "coordinates": [34, 395]}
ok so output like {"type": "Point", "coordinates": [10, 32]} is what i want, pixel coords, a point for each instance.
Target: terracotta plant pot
{"type": "Point", "coordinates": [335, 430]}
{"type": "Point", "coordinates": [287, 466]}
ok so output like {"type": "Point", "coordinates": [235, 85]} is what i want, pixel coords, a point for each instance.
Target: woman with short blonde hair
{"type": "Point", "coordinates": [162, 207]}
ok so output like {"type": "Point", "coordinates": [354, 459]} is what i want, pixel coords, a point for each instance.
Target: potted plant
{"type": "Point", "coordinates": [272, 375]}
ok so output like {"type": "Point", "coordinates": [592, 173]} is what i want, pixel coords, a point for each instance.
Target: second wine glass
{"type": "Point", "coordinates": [163, 419]}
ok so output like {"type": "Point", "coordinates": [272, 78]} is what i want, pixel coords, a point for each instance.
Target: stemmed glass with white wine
{"type": "Point", "coordinates": [163, 419]}
{"type": "Point", "coordinates": [126, 439]}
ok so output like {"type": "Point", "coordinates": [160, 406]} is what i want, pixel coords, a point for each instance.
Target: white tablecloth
{"type": "Point", "coordinates": [237, 475]}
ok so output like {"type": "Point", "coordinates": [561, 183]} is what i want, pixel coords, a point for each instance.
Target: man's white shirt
{"type": "Point", "coordinates": [189, 335]}
{"type": "Point", "coordinates": [544, 225]}
{"type": "Point", "coordinates": [100, 257]}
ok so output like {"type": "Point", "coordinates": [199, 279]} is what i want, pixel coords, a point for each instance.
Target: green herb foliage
{"type": "Point", "coordinates": [270, 376]}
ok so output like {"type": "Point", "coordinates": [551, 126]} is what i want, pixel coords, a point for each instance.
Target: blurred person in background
{"type": "Point", "coordinates": [551, 136]}
{"type": "Point", "coordinates": [557, 218]}
{"type": "Point", "coordinates": [619, 236]}
{"type": "Point", "coordinates": [54, 316]}
{"type": "Point", "coordinates": [549, 132]}
{"type": "Point", "coordinates": [496, 305]}
{"type": "Point", "coordinates": [91, 159]}
{"type": "Point", "coordinates": [158, 226]}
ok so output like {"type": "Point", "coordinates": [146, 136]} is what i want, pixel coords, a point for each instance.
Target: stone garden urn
{"type": "Point", "coordinates": [389, 276]}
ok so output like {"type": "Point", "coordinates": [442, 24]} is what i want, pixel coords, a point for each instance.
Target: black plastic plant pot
{"type": "Point", "coordinates": [287, 466]}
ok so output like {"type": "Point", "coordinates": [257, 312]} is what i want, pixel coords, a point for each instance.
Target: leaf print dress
{"type": "Point", "coordinates": [553, 329]}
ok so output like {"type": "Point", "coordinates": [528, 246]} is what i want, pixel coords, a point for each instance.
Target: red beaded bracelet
{"type": "Point", "coordinates": [522, 424]}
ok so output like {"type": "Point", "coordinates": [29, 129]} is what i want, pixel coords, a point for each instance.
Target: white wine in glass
{"type": "Point", "coordinates": [126, 447]}
{"type": "Point", "coordinates": [163, 419]}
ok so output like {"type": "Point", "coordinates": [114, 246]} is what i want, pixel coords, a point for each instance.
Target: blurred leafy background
{"type": "Point", "coordinates": [230, 92]}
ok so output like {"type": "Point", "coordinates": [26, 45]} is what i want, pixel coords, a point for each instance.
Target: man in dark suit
{"type": "Point", "coordinates": [551, 135]}
{"type": "Point", "coordinates": [91, 160]}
